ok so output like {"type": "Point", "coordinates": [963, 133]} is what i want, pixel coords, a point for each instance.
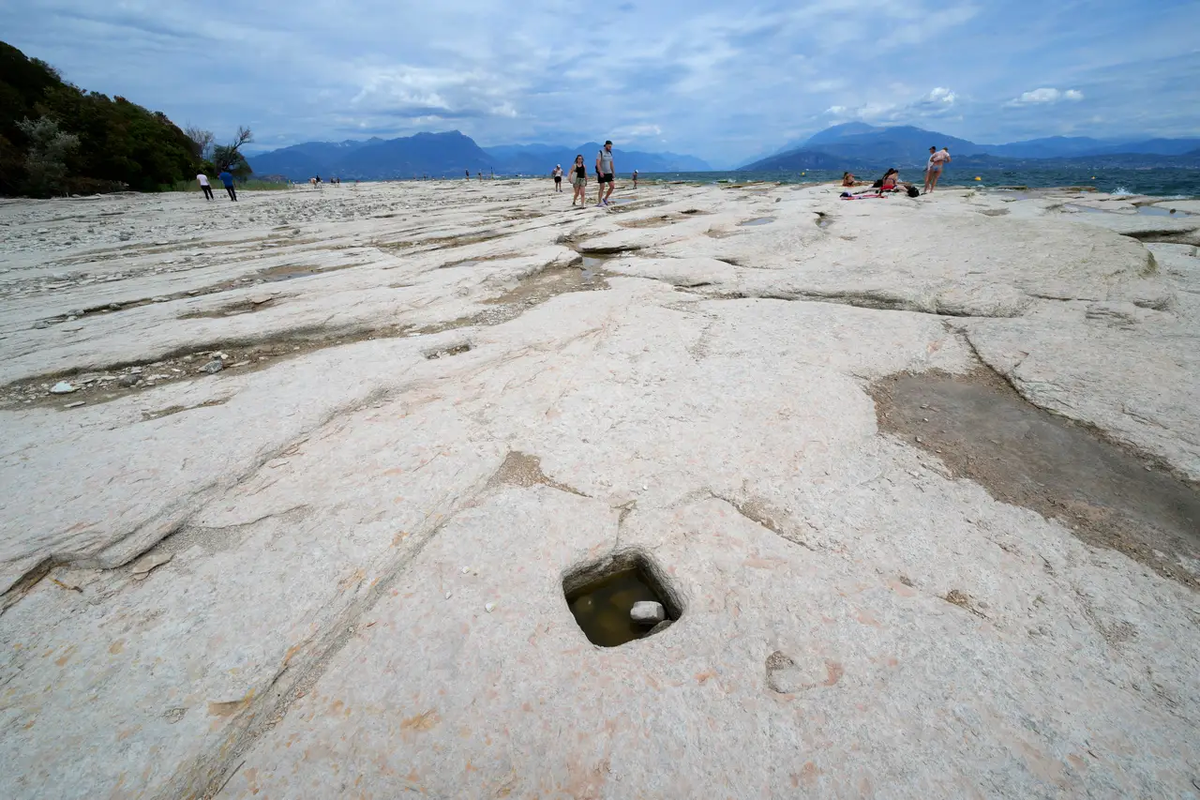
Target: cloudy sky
{"type": "Point", "coordinates": [721, 79]}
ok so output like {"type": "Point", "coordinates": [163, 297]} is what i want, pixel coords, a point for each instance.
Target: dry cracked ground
{"type": "Point", "coordinates": [290, 488]}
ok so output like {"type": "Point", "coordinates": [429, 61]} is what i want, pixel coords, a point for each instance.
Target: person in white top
{"type": "Point", "coordinates": [933, 170]}
{"type": "Point", "coordinates": [204, 187]}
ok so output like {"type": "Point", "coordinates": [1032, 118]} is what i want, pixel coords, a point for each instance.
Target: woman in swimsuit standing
{"type": "Point", "coordinates": [579, 181]}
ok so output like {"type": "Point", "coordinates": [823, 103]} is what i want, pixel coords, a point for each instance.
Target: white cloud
{"type": "Point", "coordinates": [941, 95]}
{"type": "Point", "coordinates": [715, 78]}
{"type": "Point", "coordinates": [1045, 96]}
{"type": "Point", "coordinates": [638, 131]}
{"type": "Point", "coordinates": [937, 103]}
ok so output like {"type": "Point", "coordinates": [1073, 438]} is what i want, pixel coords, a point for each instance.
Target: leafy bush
{"type": "Point", "coordinates": [117, 144]}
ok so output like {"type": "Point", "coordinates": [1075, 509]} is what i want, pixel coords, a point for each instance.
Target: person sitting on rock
{"type": "Point", "coordinates": [848, 179]}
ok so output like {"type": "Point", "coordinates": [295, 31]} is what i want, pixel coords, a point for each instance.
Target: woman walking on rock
{"type": "Point", "coordinates": [579, 181]}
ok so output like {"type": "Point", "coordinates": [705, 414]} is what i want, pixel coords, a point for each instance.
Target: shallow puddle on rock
{"type": "Point", "coordinates": [756, 221]}
{"type": "Point", "coordinates": [591, 266]}
{"type": "Point", "coordinates": [983, 430]}
{"type": "Point", "coordinates": [1157, 211]}
{"type": "Point", "coordinates": [276, 274]}
{"type": "Point", "coordinates": [602, 608]}
{"type": "Point", "coordinates": [1141, 211]}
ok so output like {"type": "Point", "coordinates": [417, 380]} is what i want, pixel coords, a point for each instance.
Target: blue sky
{"type": "Point", "coordinates": [720, 79]}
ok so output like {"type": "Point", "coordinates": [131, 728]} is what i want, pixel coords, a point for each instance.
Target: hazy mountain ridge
{"type": "Point", "coordinates": [449, 154]}
{"type": "Point", "coordinates": [857, 146]}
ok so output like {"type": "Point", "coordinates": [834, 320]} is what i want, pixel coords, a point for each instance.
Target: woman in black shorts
{"type": "Point", "coordinates": [579, 181]}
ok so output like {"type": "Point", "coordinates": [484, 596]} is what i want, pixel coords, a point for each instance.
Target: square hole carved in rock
{"type": "Point", "coordinates": [621, 598]}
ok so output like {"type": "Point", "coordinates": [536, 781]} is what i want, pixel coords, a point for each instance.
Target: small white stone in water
{"type": "Point", "coordinates": [76, 404]}
{"type": "Point", "coordinates": [647, 612]}
{"type": "Point", "coordinates": [62, 387]}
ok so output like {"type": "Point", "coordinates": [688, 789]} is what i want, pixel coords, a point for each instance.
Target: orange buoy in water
{"type": "Point", "coordinates": [978, 178]}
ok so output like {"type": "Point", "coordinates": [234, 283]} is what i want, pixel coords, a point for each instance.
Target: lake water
{"type": "Point", "coordinates": [1163, 182]}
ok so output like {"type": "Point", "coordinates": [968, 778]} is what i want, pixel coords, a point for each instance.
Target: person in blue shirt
{"type": "Point", "coordinates": [227, 179]}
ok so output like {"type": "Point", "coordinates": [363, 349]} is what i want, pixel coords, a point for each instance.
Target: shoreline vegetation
{"type": "Point", "coordinates": [57, 139]}
{"type": "Point", "coordinates": [248, 185]}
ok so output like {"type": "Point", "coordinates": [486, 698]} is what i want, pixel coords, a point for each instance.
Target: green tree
{"type": "Point", "coordinates": [119, 144]}
{"type": "Point", "coordinates": [229, 156]}
{"type": "Point", "coordinates": [46, 158]}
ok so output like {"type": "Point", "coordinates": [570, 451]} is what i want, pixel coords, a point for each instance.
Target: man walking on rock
{"type": "Point", "coordinates": [604, 173]}
{"type": "Point", "coordinates": [204, 187]}
{"type": "Point", "coordinates": [227, 179]}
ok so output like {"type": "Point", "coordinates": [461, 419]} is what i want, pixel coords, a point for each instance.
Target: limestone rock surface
{"type": "Point", "coordinates": [336, 565]}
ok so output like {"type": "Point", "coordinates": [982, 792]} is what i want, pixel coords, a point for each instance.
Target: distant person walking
{"type": "Point", "coordinates": [227, 179]}
{"type": "Point", "coordinates": [204, 187]}
{"type": "Point", "coordinates": [557, 173]}
{"type": "Point", "coordinates": [937, 160]}
{"type": "Point", "coordinates": [468, 174]}
{"type": "Point", "coordinates": [579, 181]}
{"type": "Point", "coordinates": [635, 174]}
{"type": "Point", "coordinates": [605, 170]}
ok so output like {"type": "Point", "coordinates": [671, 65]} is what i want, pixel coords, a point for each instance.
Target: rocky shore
{"type": "Point", "coordinates": [293, 488]}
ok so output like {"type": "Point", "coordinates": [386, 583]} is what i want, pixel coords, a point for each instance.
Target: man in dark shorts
{"type": "Point", "coordinates": [604, 173]}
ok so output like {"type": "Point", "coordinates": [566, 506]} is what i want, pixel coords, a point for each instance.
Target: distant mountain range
{"type": "Point", "coordinates": [856, 145]}
{"type": "Point", "coordinates": [853, 146]}
{"type": "Point", "coordinates": [449, 155]}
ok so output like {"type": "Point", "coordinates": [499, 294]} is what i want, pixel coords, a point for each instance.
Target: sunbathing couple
{"type": "Point", "coordinates": [890, 182]}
